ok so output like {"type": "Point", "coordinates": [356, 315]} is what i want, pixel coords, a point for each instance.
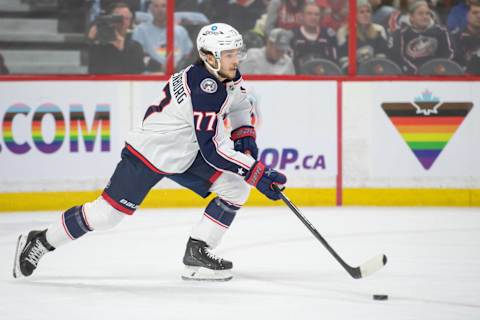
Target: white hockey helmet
{"type": "Point", "coordinates": [218, 37]}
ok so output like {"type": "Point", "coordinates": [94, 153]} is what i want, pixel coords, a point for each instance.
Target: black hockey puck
{"type": "Point", "coordinates": [380, 297]}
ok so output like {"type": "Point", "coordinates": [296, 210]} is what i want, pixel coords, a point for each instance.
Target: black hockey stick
{"type": "Point", "coordinates": [365, 269]}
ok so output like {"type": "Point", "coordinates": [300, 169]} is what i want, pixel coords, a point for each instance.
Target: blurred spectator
{"type": "Point", "coordinates": [271, 59]}
{"type": "Point", "coordinates": [134, 5]}
{"type": "Point", "coordinates": [99, 6]}
{"type": "Point", "coordinates": [335, 13]}
{"type": "Point", "coordinates": [187, 5]}
{"type": "Point", "coordinates": [183, 18]}
{"type": "Point", "coordinates": [145, 4]}
{"type": "Point", "coordinates": [152, 35]}
{"type": "Point", "coordinates": [242, 14]}
{"type": "Point", "coordinates": [457, 18]}
{"type": "Point", "coordinates": [421, 41]}
{"type": "Point", "coordinates": [467, 41]}
{"type": "Point", "coordinates": [401, 18]}
{"type": "Point", "coordinates": [190, 18]}
{"type": "Point", "coordinates": [112, 49]}
{"type": "Point", "coordinates": [310, 40]}
{"type": "Point", "coordinates": [95, 10]}
{"type": "Point", "coordinates": [3, 66]}
{"type": "Point", "coordinates": [253, 39]}
{"type": "Point", "coordinates": [285, 14]}
{"type": "Point", "coordinates": [371, 37]}
{"type": "Point", "coordinates": [217, 10]}
{"type": "Point", "coordinates": [381, 12]}
{"type": "Point", "coordinates": [259, 29]}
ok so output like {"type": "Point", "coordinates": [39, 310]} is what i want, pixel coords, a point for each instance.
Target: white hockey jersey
{"type": "Point", "coordinates": [190, 118]}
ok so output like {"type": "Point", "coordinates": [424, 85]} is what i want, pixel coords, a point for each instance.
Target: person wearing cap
{"type": "Point", "coordinates": [371, 37]}
{"type": "Point", "coordinates": [310, 41]}
{"type": "Point", "coordinates": [273, 58]}
{"type": "Point", "coordinates": [467, 41]}
{"type": "Point", "coordinates": [422, 40]}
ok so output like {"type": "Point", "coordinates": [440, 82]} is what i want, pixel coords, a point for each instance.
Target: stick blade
{"type": "Point", "coordinates": [373, 265]}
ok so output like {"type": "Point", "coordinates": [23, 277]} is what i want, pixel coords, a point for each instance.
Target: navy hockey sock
{"type": "Point", "coordinates": [221, 212]}
{"type": "Point", "coordinates": [74, 222]}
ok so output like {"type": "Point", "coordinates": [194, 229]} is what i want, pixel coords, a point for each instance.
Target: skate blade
{"type": "Point", "coordinates": [203, 274]}
{"type": "Point", "coordinates": [18, 251]}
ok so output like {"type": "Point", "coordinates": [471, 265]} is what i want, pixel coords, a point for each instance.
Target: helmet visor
{"type": "Point", "coordinates": [239, 53]}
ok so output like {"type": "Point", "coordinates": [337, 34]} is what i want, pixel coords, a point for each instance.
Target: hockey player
{"type": "Point", "coordinates": [182, 137]}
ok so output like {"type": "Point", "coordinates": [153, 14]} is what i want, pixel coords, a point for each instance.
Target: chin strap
{"type": "Point", "coordinates": [212, 69]}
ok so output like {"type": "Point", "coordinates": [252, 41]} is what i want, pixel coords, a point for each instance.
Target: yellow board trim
{"type": "Point", "coordinates": [157, 198]}
{"type": "Point", "coordinates": [411, 197]}
{"type": "Point", "coordinates": [178, 198]}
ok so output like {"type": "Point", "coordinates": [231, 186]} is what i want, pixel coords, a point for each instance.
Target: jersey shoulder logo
{"type": "Point", "coordinates": [208, 85]}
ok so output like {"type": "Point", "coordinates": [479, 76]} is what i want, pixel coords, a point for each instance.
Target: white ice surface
{"type": "Point", "coordinates": [280, 270]}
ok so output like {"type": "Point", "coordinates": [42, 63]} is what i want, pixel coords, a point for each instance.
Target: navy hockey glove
{"type": "Point", "coordinates": [263, 178]}
{"type": "Point", "coordinates": [244, 140]}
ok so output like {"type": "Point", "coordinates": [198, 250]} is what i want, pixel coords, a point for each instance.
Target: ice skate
{"type": "Point", "coordinates": [202, 265]}
{"type": "Point", "coordinates": [30, 249]}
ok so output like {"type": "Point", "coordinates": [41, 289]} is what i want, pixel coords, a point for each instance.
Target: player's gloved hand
{"type": "Point", "coordinates": [244, 140]}
{"type": "Point", "coordinates": [263, 178]}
